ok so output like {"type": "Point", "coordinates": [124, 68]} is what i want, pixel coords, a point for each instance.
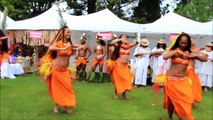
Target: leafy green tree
{"type": "Point", "coordinates": [116, 6]}
{"type": "Point", "coordinates": [91, 6]}
{"type": "Point", "coordinates": [23, 9]}
{"type": "Point", "coordinates": [147, 11]}
{"type": "Point", "coordinates": [199, 10]}
{"type": "Point", "coordinates": [78, 7]}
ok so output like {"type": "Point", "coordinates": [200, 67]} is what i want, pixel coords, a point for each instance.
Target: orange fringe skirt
{"type": "Point", "coordinates": [60, 89]}
{"type": "Point", "coordinates": [196, 85]}
{"type": "Point", "coordinates": [179, 91]}
{"type": "Point", "coordinates": [122, 77]}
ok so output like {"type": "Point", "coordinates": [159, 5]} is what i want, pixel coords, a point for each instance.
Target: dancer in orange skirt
{"type": "Point", "coordinates": [110, 62]}
{"type": "Point", "coordinates": [121, 74]}
{"type": "Point", "coordinates": [54, 69]}
{"type": "Point", "coordinates": [178, 94]}
{"type": "Point", "coordinates": [99, 54]}
{"type": "Point", "coordinates": [81, 58]}
{"type": "Point", "coordinates": [196, 84]}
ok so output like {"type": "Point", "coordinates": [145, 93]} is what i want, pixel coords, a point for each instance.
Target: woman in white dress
{"type": "Point", "coordinates": [6, 71]}
{"type": "Point", "coordinates": [4, 58]}
{"type": "Point", "coordinates": [206, 73]}
{"type": "Point", "coordinates": [141, 54]}
{"type": "Point", "coordinates": [159, 64]}
{"type": "Point", "coordinates": [16, 68]}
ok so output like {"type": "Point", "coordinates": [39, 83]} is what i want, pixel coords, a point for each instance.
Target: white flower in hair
{"type": "Point", "coordinates": [83, 36]}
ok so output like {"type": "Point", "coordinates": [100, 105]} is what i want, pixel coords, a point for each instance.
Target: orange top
{"type": "Point", "coordinates": [181, 58]}
{"type": "Point", "coordinates": [66, 52]}
{"type": "Point", "coordinates": [1, 59]}
{"type": "Point", "coordinates": [126, 51]}
{"type": "Point", "coordinates": [180, 61]}
{"type": "Point", "coordinates": [6, 57]}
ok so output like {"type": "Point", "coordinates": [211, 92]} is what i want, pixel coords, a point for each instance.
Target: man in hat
{"type": "Point", "coordinates": [206, 74]}
{"type": "Point", "coordinates": [99, 53]}
{"type": "Point", "coordinates": [141, 54]}
{"type": "Point", "coordinates": [81, 58]}
{"type": "Point", "coordinates": [159, 64]}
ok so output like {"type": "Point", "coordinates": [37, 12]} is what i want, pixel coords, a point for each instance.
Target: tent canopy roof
{"type": "Point", "coordinates": [105, 20]}
{"type": "Point", "coordinates": [174, 23]}
{"type": "Point", "coordinates": [47, 20]}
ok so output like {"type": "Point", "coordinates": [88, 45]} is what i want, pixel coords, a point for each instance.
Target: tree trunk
{"type": "Point", "coordinates": [91, 6]}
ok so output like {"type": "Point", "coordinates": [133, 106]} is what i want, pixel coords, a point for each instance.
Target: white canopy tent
{"type": "Point", "coordinates": [174, 23]}
{"type": "Point", "coordinates": [103, 20]}
{"type": "Point", "coordinates": [8, 20]}
{"type": "Point", "coordinates": [106, 21]}
{"type": "Point", "coordinates": [48, 20]}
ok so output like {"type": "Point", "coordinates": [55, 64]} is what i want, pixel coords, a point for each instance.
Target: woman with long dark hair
{"type": "Point", "coordinates": [54, 69]}
{"type": "Point", "coordinates": [121, 74]}
{"type": "Point", "coordinates": [178, 95]}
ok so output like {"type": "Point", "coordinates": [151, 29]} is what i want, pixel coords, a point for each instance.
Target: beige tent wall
{"type": "Point", "coordinates": [48, 35]}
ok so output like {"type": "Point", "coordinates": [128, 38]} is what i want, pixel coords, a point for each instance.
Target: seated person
{"type": "Point", "coordinates": [6, 71]}
{"type": "Point", "coordinates": [16, 68]}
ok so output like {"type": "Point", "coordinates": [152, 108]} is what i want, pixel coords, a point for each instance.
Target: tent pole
{"type": "Point", "coordinates": [138, 36]}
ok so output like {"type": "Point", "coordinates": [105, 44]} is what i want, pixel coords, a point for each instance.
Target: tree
{"type": "Point", "coordinates": [147, 11]}
{"type": "Point", "coordinates": [116, 6]}
{"type": "Point", "coordinates": [199, 10]}
{"type": "Point", "coordinates": [23, 9]}
{"type": "Point", "coordinates": [80, 7]}
{"type": "Point", "coordinates": [4, 20]}
{"type": "Point", "coordinates": [91, 4]}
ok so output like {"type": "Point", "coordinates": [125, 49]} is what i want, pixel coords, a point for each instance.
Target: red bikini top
{"type": "Point", "coordinates": [66, 52]}
{"type": "Point", "coordinates": [126, 50]}
{"type": "Point", "coordinates": [180, 59]}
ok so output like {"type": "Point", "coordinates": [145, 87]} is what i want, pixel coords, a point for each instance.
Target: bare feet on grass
{"type": "Point", "coordinates": [56, 110]}
{"type": "Point", "coordinates": [68, 110]}
{"type": "Point", "coordinates": [116, 96]}
{"type": "Point", "coordinates": [125, 96]}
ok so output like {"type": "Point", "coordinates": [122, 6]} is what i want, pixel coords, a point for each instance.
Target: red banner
{"type": "Point", "coordinates": [105, 35]}
{"type": "Point", "coordinates": [35, 34]}
{"type": "Point", "coordinates": [172, 36]}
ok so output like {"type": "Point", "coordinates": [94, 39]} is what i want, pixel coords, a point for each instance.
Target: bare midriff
{"type": "Point", "coordinates": [124, 59]}
{"type": "Point", "coordinates": [61, 61]}
{"type": "Point", "coordinates": [178, 70]}
{"type": "Point", "coordinates": [82, 52]}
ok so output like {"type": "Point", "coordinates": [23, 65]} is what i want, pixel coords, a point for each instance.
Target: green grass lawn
{"type": "Point", "coordinates": [26, 97]}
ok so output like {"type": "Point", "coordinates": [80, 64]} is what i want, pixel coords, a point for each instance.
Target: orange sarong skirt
{"type": "Point", "coordinates": [95, 61]}
{"type": "Point", "coordinates": [1, 57]}
{"type": "Point", "coordinates": [80, 61]}
{"type": "Point", "coordinates": [122, 77]}
{"type": "Point", "coordinates": [196, 85]}
{"type": "Point", "coordinates": [110, 65]}
{"type": "Point", "coordinates": [60, 89]}
{"type": "Point", "coordinates": [179, 91]}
